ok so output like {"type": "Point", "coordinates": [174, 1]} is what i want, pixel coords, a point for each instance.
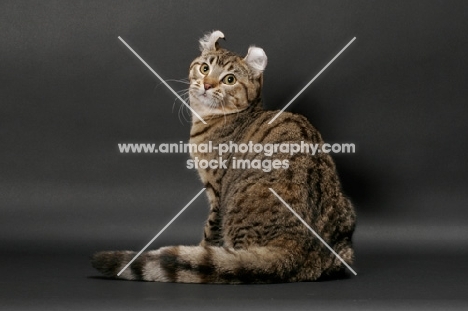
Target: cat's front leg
{"type": "Point", "coordinates": [212, 232]}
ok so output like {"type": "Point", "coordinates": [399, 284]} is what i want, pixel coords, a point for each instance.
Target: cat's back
{"type": "Point", "coordinates": [285, 127]}
{"type": "Point", "coordinates": [260, 126]}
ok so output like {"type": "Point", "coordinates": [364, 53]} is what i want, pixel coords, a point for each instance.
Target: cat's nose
{"type": "Point", "coordinates": [208, 86]}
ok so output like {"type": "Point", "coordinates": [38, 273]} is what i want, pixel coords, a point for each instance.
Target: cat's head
{"type": "Point", "coordinates": [222, 82]}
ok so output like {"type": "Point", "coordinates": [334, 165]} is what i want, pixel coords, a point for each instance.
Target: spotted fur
{"type": "Point", "coordinates": [250, 236]}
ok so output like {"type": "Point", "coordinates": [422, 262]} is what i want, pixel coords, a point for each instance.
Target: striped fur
{"type": "Point", "coordinates": [250, 236]}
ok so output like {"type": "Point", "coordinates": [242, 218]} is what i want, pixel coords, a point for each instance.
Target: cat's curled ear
{"type": "Point", "coordinates": [256, 59]}
{"type": "Point", "coordinates": [210, 41]}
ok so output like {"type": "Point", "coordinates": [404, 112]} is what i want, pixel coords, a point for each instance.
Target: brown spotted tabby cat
{"type": "Point", "coordinates": [250, 236]}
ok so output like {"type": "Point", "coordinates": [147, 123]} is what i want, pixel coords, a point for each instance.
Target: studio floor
{"type": "Point", "coordinates": [38, 277]}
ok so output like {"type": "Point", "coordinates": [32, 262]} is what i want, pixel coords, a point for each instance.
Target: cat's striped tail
{"type": "Point", "coordinates": [202, 264]}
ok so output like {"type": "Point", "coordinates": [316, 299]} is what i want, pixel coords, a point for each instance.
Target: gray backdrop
{"type": "Point", "coordinates": [70, 91]}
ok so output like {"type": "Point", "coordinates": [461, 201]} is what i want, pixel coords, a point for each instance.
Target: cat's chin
{"type": "Point", "coordinates": [207, 101]}
{"type": "Point", "coordinates": [205, 107]}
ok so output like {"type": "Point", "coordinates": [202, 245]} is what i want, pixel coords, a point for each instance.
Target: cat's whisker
{"type": "Point", "coordinates": [185, 81]}
{"type": "Point", "coordinates": [178, 111]}
{"type": "Point", "coordinates": [183, 91]}
{"type": "Point", "coordinates": [182, 110]}
{"type": "Point", "coordinates": [184, 95]}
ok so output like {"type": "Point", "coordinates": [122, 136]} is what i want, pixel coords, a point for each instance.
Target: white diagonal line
{"type": "Point", "coordinates": [162, 80]}
{"type": "Point", "coordinates": [312, 230]}
{"type": "Point", "coordinates": [310, 82]}
{"type": "Point", "coordinates": [160, 232]}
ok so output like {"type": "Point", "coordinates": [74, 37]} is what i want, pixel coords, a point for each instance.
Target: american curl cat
{"type": "Point", "coordinates": [250, 235]}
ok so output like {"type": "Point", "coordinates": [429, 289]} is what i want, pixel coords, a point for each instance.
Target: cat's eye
{"type": "Point", "coordinates": [229, 79]}
{"type": "Point", "coordinates": [204, 69]}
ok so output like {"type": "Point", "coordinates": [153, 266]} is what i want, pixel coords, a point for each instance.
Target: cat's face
{"type": "Point", "coordinates": [222, 82]}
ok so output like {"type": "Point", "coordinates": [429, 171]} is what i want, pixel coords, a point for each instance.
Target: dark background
{"type": "Point", "coordinates": [71, 91]}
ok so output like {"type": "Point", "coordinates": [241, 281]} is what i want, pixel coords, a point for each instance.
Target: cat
{"type": "Point", "coordinates": [250, 236]}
